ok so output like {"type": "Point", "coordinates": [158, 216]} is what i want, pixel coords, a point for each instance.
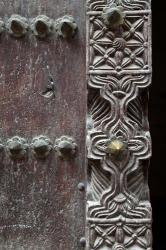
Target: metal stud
{"type": "Point", "coordinates": [83, 242]}
{"type": "Point", "coordinates": [113, 16]}
{"type": "Point", "coordinates": [66, 26]}
{"type": "Point", "coordinates": [17, 26]}
{"type": "Point", "coordinates": [65, 146]}
{"type": "Point", "coordinates": [81, 186]}
{"type": "Point", "coordinates": [41, 26]}
{"type": "Point", "coordinates": [17, 147]}
{"type": "Point", "coordinates": [41, 146]}
{"type": "Point", "coordinates": [116, 148]}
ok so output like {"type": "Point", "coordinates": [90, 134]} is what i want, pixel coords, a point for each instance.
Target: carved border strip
{"type": "Point", "coordinates": [119, 145]}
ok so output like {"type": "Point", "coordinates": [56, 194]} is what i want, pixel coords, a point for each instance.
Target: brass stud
{"type": "Point", "coordinates": [116, 148]}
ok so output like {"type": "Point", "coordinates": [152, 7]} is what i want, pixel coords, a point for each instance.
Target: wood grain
{"type": "Point", "coordinates": [40, 205]}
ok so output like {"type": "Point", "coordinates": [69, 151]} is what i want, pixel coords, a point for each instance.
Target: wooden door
{"type": "Point", "coordinates": [42, 124]}
{"type": "Point", "coordinates": [51, 53]}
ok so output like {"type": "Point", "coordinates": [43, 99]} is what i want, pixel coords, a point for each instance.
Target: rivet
{"type": "Point", "coordinates": [83, 242]}
{"type": "Point", "coordinates": [81, 186]}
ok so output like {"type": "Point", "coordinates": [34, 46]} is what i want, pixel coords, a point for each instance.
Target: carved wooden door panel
{"type": "Point", "coordinates": [42, 124]}
{"type": "Point", "coordinates": [119, 145]}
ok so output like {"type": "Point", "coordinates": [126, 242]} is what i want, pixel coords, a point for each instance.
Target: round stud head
{"type": "Point", "coordinates": [17, 147]}
{"type": "Point", "coordinates": [116, 148]}
{"type": "Point", "coordinates": [65, 146]}
{"type": "Point", "coordinates": [41, 146]}
{"type": "Point", "coordinates": [83, 242]}
{"type": "Point", "coordinates": [113, 16]}
{"type": "Point", "coordinates": [81, 186]}
{"type": "Point", "coordinates": [66, 26]}
{"type": "Point", "coordinates": [42, 26]}
{"type": "Point", "coordinates": [17, 26]}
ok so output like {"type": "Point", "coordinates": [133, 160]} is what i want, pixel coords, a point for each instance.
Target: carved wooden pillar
{"type": "Point", "coordinates": [119, 145]}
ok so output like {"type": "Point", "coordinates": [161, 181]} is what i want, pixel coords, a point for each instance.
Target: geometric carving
{"type": "Point", "coordinates": [119, 146]}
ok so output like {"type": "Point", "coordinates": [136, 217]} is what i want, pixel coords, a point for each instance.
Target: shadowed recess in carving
{"type": "Point", "coordinates": [137, 181]}
{"type": "Point", "coordinates": [50, 88]}
{"type": "Point", "coordinates": [137, 110]}
{"type": "Point", "coordinates": [99, 110]}
{"type": "Point", "coordinates": [99, 181]}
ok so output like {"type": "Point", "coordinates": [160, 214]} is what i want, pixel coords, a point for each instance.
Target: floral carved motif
{"type": "Point", "coordinates": [118, 140]}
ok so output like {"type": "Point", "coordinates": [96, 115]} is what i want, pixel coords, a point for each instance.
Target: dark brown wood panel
{"type": "Point", "coordinates": [40, 204]}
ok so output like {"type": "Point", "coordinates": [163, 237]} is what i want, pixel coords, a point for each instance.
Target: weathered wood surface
{"type": "Point", "coordinates": [40, 204]}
